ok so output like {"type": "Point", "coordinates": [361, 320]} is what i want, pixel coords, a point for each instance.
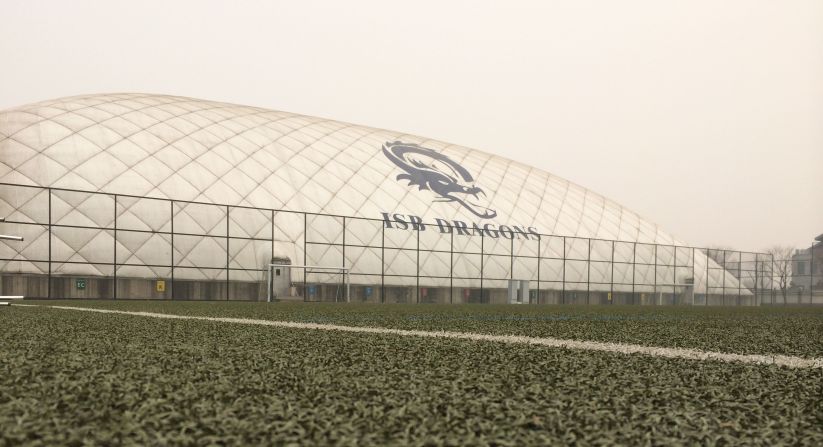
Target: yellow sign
{"type": "Point", "coordinates": [610, 296]}
{"type": "Point", "coordinates": [161, 285]}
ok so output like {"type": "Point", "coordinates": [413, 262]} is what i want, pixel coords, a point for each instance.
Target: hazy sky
{"type": "Point", "coordinates": [703, 116]}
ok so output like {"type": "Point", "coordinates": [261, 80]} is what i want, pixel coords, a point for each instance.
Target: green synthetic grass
{"type": "Point", "coordinates": [69, 377]}
{"type": "Point", "coordinates": [744, 330]}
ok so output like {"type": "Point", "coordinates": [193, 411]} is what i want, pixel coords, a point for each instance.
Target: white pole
{"type": "Point", "coordinates": [10, 238]}
{"type": "Point", "coordinates": [13, 297]}
{"type": "Point", "coordinates": [268, 284]}
{"type": "Point", "coordinates": [694, 278]}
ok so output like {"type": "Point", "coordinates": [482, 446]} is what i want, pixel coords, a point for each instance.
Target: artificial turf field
{"type": "Point", "coordinates": [71, 377]}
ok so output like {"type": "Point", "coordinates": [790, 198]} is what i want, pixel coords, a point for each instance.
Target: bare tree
{"type": "Point", "coordinates": [782, 255]}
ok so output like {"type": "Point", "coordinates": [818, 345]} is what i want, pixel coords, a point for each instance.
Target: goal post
{"type": "Point", "coordinates": [7, 297]}
{"type": "Point", "coordinates": [686, 287]}
{"type": "Point", "coordinates": [9, 238]}
{"type": "Point", "coordinates": [308, 269]}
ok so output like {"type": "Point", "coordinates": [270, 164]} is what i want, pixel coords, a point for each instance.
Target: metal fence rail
{"type": "Point", "coordinates": [100, 245]}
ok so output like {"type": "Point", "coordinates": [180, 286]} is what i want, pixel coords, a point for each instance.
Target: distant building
{"type": "Point", "coordinates": [807, 266]}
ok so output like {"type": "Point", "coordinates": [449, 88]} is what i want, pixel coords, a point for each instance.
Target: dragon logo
{"type": "Point", "coordinates": [431, 170]}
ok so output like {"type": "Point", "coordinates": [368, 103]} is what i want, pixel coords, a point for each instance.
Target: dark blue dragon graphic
{"type": "Point", "coordinates": [431, 170]}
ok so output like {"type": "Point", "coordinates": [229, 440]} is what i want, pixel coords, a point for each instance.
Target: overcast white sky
{"type": "Point", "coordinates": [704, 116]}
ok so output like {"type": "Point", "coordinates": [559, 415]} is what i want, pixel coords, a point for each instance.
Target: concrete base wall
{"type": "Point", "coordinates": [37, 286]}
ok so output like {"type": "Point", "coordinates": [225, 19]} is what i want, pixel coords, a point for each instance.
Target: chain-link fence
{"type": "Point", "coordinates": [81, 244]}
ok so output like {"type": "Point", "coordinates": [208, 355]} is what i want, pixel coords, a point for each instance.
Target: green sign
{"type": "Point", "coordinates": [80, 283]}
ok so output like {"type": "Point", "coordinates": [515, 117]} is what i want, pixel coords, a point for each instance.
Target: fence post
{"type": "Point", "coordinates": [305, 256]}
{"type": "Point", "coordinates": [451, 264]}
{"type": "Point", "coordinates": [171, 250]}
{"type": "Point", "coordinates": [482, 260]}
{"type": "Point", "coordinates": [655, 274]}
{"type": "Point", "coordinates": [539, 247]}
{"type": "Point", "coordinates": [723, 273]}
{"type": "Point", "coordinates": [739, 277]}
{"type": "Point", "coordinates": [770, 261]}
{"type": "Point", "coordinates": [563, 292]}
{"type": "Point", "coordinates": [383, 263]}
{"type": "Point", "coordinates": [757, 279]}
{"type": "Point", "coordinates": [694, 280]}
{"type": "Point", "coordinates": [706, 299]}
{"type": "Point", "coordinates": [228, 256]}
{"type": "Point", "coordinates": [348, 298]}
{"type": "Point", "coordinates": [271, 257]}
{"type": "Point", "coordinates": [48, 286]}
{"type": "Point", "coordinates": [418, 263]}
{"type": "Point", "coordinates": [611, 291]}
{"type": "Point", "coordinates": [674, 274]}
{"type": "Point", "coordinates": [511, 259]}
{"type": "Point", "coordinates": [114, 244]}
{"type": "Point", "coordinates": [634, 270]}
{"type": "Point", "coordinates": [589, 272]}
{"type": "Point", "coordinates": [811, 274]}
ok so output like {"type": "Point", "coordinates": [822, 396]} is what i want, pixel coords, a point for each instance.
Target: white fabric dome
{"type": "Point", "coordinates": [194, 150]}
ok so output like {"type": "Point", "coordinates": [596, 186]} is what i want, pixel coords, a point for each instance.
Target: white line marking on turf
{"type": "Point", "coordinates": [623, 348]}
